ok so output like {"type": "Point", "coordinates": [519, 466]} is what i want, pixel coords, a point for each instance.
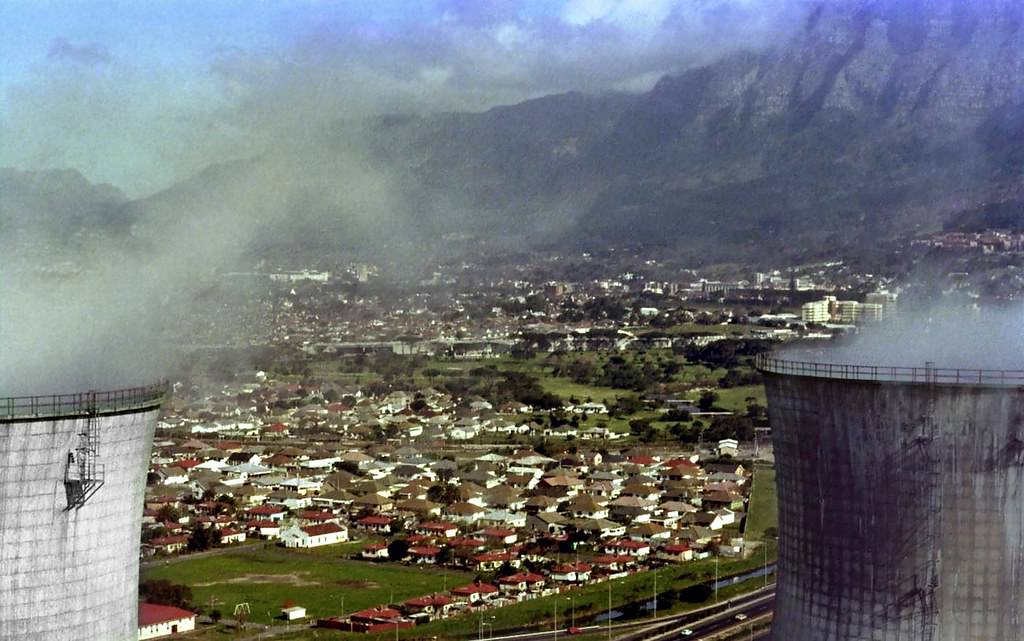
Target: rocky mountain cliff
{"type": "Point", "coordinates": [877, 118]}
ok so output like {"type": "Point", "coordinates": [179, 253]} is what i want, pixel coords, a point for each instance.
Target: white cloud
{"type": "Point", "coordinates": [144, 127]}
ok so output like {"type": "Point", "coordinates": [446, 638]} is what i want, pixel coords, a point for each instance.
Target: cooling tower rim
{"type": "Point", "coordinates": [92, 403]}
{"type": "Point", "coordinates": [791, 365]}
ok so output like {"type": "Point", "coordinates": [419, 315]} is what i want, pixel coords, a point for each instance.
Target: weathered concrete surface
{"type": "Point", "coordinates": [71, 575]}
{"type": "Point", "coordinates": [901, 510]}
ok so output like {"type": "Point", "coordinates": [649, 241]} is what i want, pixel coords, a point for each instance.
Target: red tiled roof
{"type": "Point", "coordinates": [628, 545]}
{"type": "Point", "coordinates": [466, 542]}
{"type": "Point", "coordinates": [423, 601]}
{"type": "Point", "coordinates": [324, 528]}
{"type": "Point", "coordinates": [374, 520]}
{"type": "Point", "coordinates": [265, 510]}
{"type": "Point", "coordinates": [425, 550]}
{"type": "Point", "coordinates": [152, 614]}
{"type": "Point", "coordinates": [436, 526]}
{"type": "Point", "coordinates": [572, 567]}
{"type": "Point", "coordinates": [641, 460]}
{"type": "Point", "coordinates": [168, 540]}
{"type": "Point", "coordinates": [262, 523]}
{"type": "Point", "coordinates": [492, 556]}
{"type": "Point", "coordinates": [313, 515]}
{"type": "Point", "coordinates": [528, 577]}
{"type": "Point", "coordinates": [676, 548]}
{"type": "Point", "coordinates": [475, 588]}
{"type": "Point", "coordinates": [377, 613]}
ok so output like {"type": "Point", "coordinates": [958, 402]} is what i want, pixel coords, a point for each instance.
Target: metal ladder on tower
{"type": "Point", "coordinates": [83, 474]}
{"type": "Point", "coordinates": [917, 604]}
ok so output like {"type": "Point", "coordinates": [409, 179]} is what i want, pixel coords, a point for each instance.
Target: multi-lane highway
{"type": "Point", "coordinates": [703, 622]}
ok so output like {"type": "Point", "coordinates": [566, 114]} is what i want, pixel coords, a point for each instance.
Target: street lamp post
{"type": "Point", "coordinates": [572, 601]}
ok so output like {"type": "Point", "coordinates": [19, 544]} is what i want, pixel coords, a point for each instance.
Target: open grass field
{"type": "Point", "coordinates": [735, 398]}
{"type": "Point", "coordinates": [538, 614]}
{"type": "Point", "coordinates": [566, 389]}
{"type": "Point", "coordinates": [266, 578]}
{"type": "Point", "coordinates": [764, 503]}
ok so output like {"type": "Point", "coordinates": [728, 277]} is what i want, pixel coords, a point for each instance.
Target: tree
{"type": "Point", "coordinates": [445, 494]}
{"type": "Point", "coordinates": [216, 615]}
{"type": "Point", "coordinates": [707, 400]}
{"type": "Point", "coordinates": [398, 549]}
{"type": "Point", "coordinates": [163, 592]}
{"type": "Point", "coordinates": [203, 538]}
{"type": "Point", "coordinates": [642, 429]}
{"type": "Point", "coordinates": [168, 514]}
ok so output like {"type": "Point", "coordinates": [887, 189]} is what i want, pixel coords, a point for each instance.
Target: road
{"type": "Point", "coordinates": [752, 605]}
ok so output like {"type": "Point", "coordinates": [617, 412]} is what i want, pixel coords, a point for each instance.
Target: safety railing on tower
{"type": "Point", "coordinates": [81, 404]}
{"type": "Point", "coordinates": [928, 374]}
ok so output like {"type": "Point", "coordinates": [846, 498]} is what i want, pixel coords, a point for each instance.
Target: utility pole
{"type": "Point", "coordinates": [555, 618]}
{"type": "Point", "coordinates": [766, 562]}
{"type": "Point", "coordinates": [609, 609]}
{"type": "Point", "coordinates": [655, 592]}
{"type": "Point", "coordinates": [716, 579]}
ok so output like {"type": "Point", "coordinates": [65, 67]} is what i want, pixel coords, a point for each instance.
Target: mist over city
{"type": "Point", "coordinates": [619, 319]}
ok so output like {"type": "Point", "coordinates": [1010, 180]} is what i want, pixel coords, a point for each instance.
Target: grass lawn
{"type": "Point", "coordinates": [565, 388]}
{"type": "Point", "coordinates": [735, 398]}
{"type": "Point", "coordinates": [589, 601]}
{"type": "Point", "coordinates": [763, 503]}
{"type": "Point", "coordinates": [267, 578]}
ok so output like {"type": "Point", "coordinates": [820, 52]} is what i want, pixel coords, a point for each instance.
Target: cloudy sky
{"type": "Point", "coordinates": [142, 94]}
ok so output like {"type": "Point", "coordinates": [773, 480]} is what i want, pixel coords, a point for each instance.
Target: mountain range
{"type": "Point", "coordinates": [876, 119]}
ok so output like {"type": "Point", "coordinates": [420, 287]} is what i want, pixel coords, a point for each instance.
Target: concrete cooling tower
{"type": "Point", "coordinates": [72, 481]}
{"type": "Point", "coordinates": [901, 502]}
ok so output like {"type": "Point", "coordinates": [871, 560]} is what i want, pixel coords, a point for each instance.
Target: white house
{"type": "Point", "coordinates": [293, 613]}
{"type": "Point", "coordinates": [156, 621]}
{"type": "Point", "coordinates": [313, 536]}
{"type": "Point", "coordinates": [728, 447]}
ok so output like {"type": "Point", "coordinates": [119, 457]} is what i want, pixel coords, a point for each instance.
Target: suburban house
{"type": "Point", "coordinates": [571, 572]}
{"type": "Point", "coordinates": [437, 528]}
{"type": "Point", "coordinates": [374, 551]}
{"type": "Point", "coordinates": [520, 583]}
{"type": "Point", "coordinates": [675, 552]}
{"type": "Point", "coordinates": [474, 592]}
{"type": "Point", "coordinates": [313, 536]}
{"type": "Point", "coordinates": [379, 524]}
{"type": "Point", "coordinates": [169, 544]}
{"type": "Point", "coordinates": [432, 606]}
{"type": "Point", "coordinates": [157, 621]}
